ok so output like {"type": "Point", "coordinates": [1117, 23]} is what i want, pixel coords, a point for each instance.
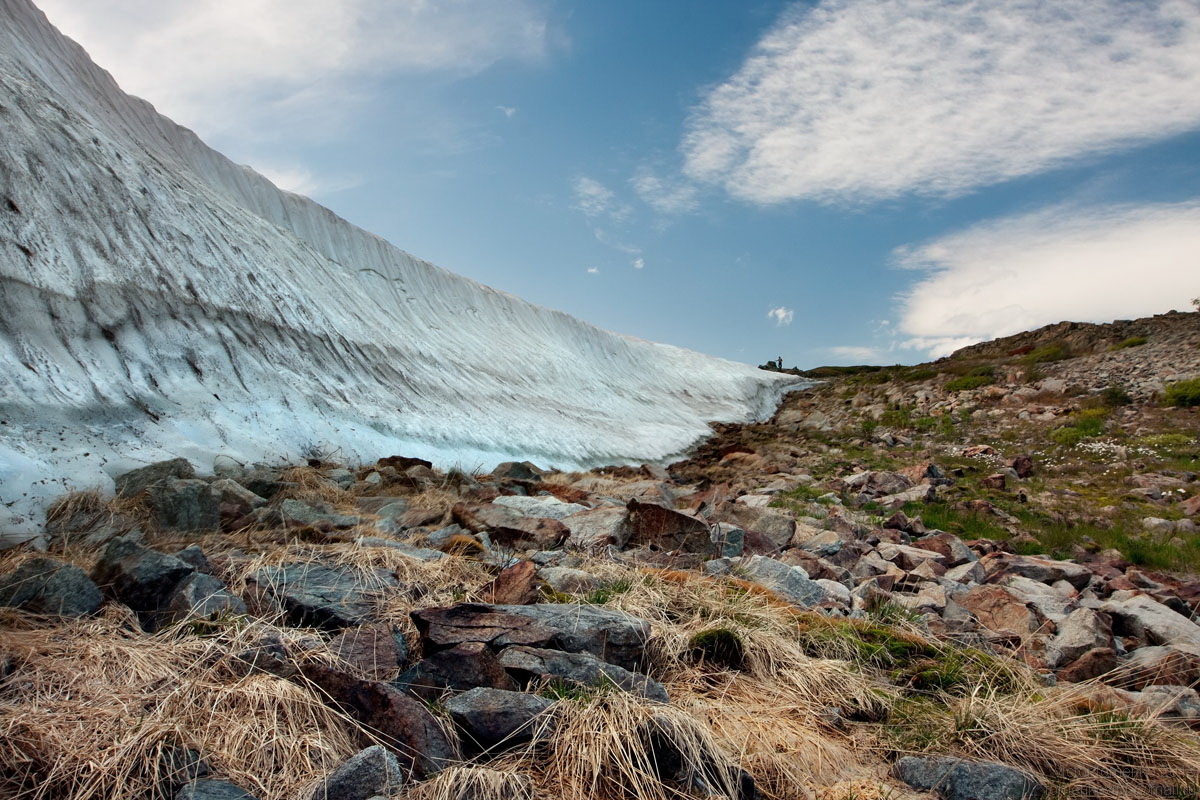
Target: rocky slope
{"type": "Point", "coordinates": [974, 578]}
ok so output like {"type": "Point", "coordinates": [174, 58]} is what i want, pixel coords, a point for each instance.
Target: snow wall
{"type": "Point", "coordinates": [157, 300]}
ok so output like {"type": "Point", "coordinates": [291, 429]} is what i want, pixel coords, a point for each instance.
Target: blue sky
{"type": "Point", "coordinates": [835, 182]}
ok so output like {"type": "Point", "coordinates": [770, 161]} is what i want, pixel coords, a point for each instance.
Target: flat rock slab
{"type": "Point", "coordinates": [958, 779]}
{"type": "Point", "coordinates": [666, 528]}
{"type": "Point", "coordinates": [46, 586]}
{"type": "Point", "coordinates": [201, 596]}
{"type": "Point", "coordinates": [377, 650]}
{"type": "Point", "coordinates": [324, 596]}
{"type": "Point", "coordinates": [212, 790]}
{"type": "Point", "coordinates": [599, 528]}
{"type": "Point", "coordinates": [790, 583]}
{"type": "Point", "coordinates": [491, 717]}
{"type": "Point", "coordinates": [544, 507]}
{"type": "Point", "coordinates": [612, 636]}
{"type": "Point", "coordinates": [582, 669]}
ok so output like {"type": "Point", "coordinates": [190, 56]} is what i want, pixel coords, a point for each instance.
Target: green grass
{"type": "Point", "coordinates": [1046, 354]}
{"type": "Point", "coordinates": [1087, 424]}
{"type": "Point", "coordinates": [967, 382]}
{"type": "Point", "coordinates": [1132, 341]}
{"type": "Point", "coordinates": [964, 524]}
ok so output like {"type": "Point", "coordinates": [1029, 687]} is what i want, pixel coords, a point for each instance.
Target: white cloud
{"type": "Point", "coordinates": [301, 180]}
{"type": "Point", "coordinates": [781, 315]}
{"type": "Point", "coordinates": [593, 270]}
{"type": "Point", "coordinates": [592, 197]}
{"type": "Point", "coordinates": [856, 353]}
{"type": "Point", "coordinates": [232, 65]}
{"type": "Point", "coordinates": [639, 263]}
{"type": "Point", "coordinates": [858, 100]}
{"type": "Point", "coordinates": [663, 195]}
{"type": "Point", "coordinates": [1096, 264]}
{"type": "Point", "coordinates": [507, 111]}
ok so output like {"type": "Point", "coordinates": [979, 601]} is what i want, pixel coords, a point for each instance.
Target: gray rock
{"type": "Point", "coordinates": [134, 482]}
{"type": "Point", "coordinates": [1151, 621]}
{"type": "Point", "coordinates": [233, 493]}
{"type": "Point", "coordinates": [517, 471]}
{"type": "Point", "coordinates": [212, 790]}
{"type": "Point", "coordinates": [547, 507]}
{"type": "Point", "coordinates": [1081, 631]}
{"type": "Point", "coordinates": [464, 666]}
{"type": "Point", "coordinates": [344, 478]}
{"type": "Point", "coordinates": [613, 636]}
{"type": "Point", "coordinates": [599, 527]}
{"type": "Point", "coordinates": [418, 553]}
{"type": "Point", "coordinates": [184, 504]}
{"type": "Point", "coordinates": [776, 527]}
{"type": "Point", "coordinates": [46, 586]}
{"type": "Point", "coordinates": [490, 717]}
{"type": "Point", "coordinates": [584, 669]}
{"type": "Point", "coordinates": [792, 583]}
{"type": "Point", "coordinates": [364, 775]}
{"type": "Point", "coordinates": [324, 596]}
{"type": "Point", "coordinates": [728, 541]}
{"type": "Point", "coordinates": [568, 580]}
{"type": "Point", "coordinates": [297, 512]}
{"type": "Point", "coordinates": [201, 596]}
{"type": "Point", "coordinates": [959, 779]}
{"type": "Point", "coordinates": [139, 577]}
{"type": "Point", "coordinates": [194, 555]}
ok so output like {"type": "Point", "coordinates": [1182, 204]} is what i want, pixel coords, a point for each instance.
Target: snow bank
{"type": "Point", "coordinates": [157, 300]}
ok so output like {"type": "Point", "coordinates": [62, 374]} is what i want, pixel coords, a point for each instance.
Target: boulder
{"type": "Point", "coordinates": [1046, 600]}
{"type": "Point", "coordinates": [134, 482]}
{"type": "Point", "coordinates": [543, 507]}
{"type": "Point", "coordinates": [568, 580]}
{"type": "Point", "coordinates": [599, 528]}
{"type": "Point", "coordinates": [323, 596]}
{"type": "Point", "coordinates": [376, 650]}
{"type": "Point", "coordinates": [953, 550]}
{"type": "Point", "coordinates": [584, 669]}
{"type": "Point", "coordinates": [297, 513]}
{"type": "Point", "coordinates": [403, 723]}
{"type": "Point", "coordinates": [46, 586]}
{"type": "Point", "coordinates": [613, 636]}
{"type": "Point", "coordinates": [665, 528]}
{"type": "Point", "coordinates": [201, 596]}
{"type": "Point", "coordinates": [776, 527]}
{"type": "Point", "coordinates": [487, 718]}
{"type": "Point", "coordinates": [1092, 664]}
{"type": "Point", "coordinates": [212, 790]}
{"type": "Point", "coordinates": [517, 471]}
{"type": "Point", "coordinates": [1042, 570]}
{"type": "Point", "coordinates": [1150, 621]}
{"type": "Point", "coordinates": [1000, 611]}
{"type": "Point", "coordinates": [184, 504]}
{"type": "Point", "coordinates": [1163, 665]}
{"type": "Point", "coordinates": [415, 553]}
{"type": "Point", "coordinates": [878, 483]}
{"type": "Point", "coordinates": [509, 528]}
{"type": "Point", "coordinates": [366, 774]}
{"type": "Point", "coordinates": [1176, 703]}
{"type": "Point", "coordinates": [137, 576]}
{"type": "Point", "coordinates": [906, 556]}
{"type": "Point", "coordinates": [790, 583]}
{"type": "Point", "coordinates": [237, 498]}
{"type": "Point", "coordinates": [464, 666]}
{"type": "Point", "coordinates": [1081, 631]}
{"type": "Point", "coordinates": [960, 779]}
{"type": "Point", "coordinates": [516, 584]}
{"type": "Point", "coordinates": [727, 540]}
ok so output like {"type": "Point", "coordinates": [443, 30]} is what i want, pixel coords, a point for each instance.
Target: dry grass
{"type": "Point", "coordinates": [472, 783]}
{"type": "Point", "coordinates": [1086, 748]}
{"type": "Point", "coordinates": [434, 499]}
{"type": "Point", "coordinates": [84, 510]}
{"type": "Point", "coordinates": [310, 485]}
{"type": "Point", "coordinates": [92, 706]}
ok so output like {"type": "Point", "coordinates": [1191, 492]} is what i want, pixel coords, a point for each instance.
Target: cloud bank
{"type": "Point", "coordinates": [1060, 264]}
{"type": "Point", "coordinates": [859, 100]}
{"type": "Point", "coordinates": [232, 65]}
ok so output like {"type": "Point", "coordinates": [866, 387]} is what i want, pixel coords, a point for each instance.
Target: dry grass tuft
{"type": "Point", "coordinates": [89, 509]}
{"type": "Point", "coordinates": [472, 783]}
{"type": "Point", "coordinates": [310, 485]}
{"type": "Point", "coordinates": [615, 746]}
{"type": "Point", "coordinates": [92, 706]}
{"type": "Point", "coordinates": [1088, 749]}
{"type": "Point", "coordinates": [434, 499]}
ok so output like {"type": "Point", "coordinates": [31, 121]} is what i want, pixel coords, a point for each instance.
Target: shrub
{"type": "Point", "coordinates": [1183, 394]}
{"type": "Point", "coordinates": [1132, 341]}
{"type": "Point", "coordinates": [1115, 395]}
{"type": "Point", "coordinates": [967, 382]}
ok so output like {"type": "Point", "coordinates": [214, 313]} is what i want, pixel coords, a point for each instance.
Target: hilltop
{"type": "Point", "coordinates": [974, 577]}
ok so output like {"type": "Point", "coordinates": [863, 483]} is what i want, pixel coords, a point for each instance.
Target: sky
{"type": "Point", "coordinates": [832, 182]}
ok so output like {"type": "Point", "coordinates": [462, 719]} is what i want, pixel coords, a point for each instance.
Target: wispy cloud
{"type": "Point", "coordinates": [1019, 273]}
{"type": "Point", "coordinates": [639, 263]}
{"type": "Point", "coordinates": [227, 65]}
{"type": "Point", "coordinates": [781, 316]}
{"type": "Point", "coordinates": [593, 198]}
{"type": "Point", "coordinates": [856, 353]}
{"type": "Point", "coordinates": [593, 270]}
{"type": "Point", "coordinates": [507, 111]}
{"type": "Point", "coordinates": [664, 195]}
{"type": "Point", "coordinates": [301, 180]}
{"type": "Point", "coordinates": [855, 101]}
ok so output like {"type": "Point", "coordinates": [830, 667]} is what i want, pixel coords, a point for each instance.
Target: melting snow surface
{"type": "Point", "coordinates": [157, 300]}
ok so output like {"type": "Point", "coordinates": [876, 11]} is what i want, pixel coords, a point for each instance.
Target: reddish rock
{"type": "Point", "coordinates": [464, 666]}
{"type": "Point", "coordinates": [515, 585]}
{"type": "Point", "coordinates": [1022, 465]}
{"type": "Point", "coordinates": [373, 649]}
{"type": "Point", "coordinates": [1191, 506]}
{"type": "Point", "coordinates": [1000, 611]}
{"type": "Point", "coordinates": [509, 528]}
{"type": "Point", "coordinates": [666, 528]}
{"type": "Point", "coordinates": [954, 550]}
{"type": "Point", "coordinates": [599, 528]}
{"type": "Point", "coordinates": [925, 472]}
{"type": "Point", "coordinates": [1091, 664]}
{"type": "Point", "coordinates": [1164, 665]}
{"type": "Point", "coordinates": [994, 481]}
{"type": "Point", "coordinates": [403, 724]}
